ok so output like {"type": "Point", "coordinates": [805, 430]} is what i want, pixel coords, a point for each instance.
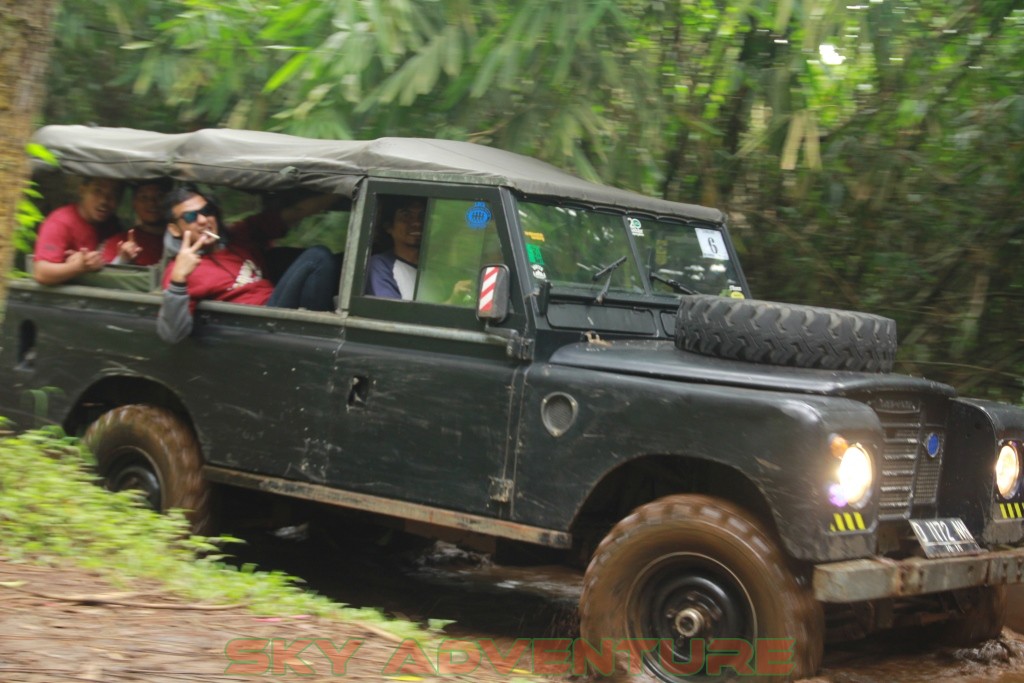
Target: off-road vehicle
{"type": "Point", "coordinates": [724, 467]}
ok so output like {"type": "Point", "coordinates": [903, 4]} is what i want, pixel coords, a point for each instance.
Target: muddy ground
{"type": "Point", "coordinates": [65, 624]}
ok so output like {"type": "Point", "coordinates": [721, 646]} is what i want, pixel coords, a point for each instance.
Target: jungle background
{"type": "Point", "coordinates": [870, 156]}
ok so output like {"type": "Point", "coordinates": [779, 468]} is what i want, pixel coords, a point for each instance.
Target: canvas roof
{"type": "Point", "coordinates": [261, 161]}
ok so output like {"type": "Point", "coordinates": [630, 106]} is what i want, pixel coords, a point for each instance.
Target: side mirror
{"type": "Point", "coordinates": [492, 302]}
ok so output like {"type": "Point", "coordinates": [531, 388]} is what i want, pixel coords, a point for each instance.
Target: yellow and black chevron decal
{"type": "Point", "coordinates": [846, 521]}
{"type": "Point", "coordinates": [1012, 510]}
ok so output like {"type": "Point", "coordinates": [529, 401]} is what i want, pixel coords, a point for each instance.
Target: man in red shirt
{"type": "Point", "coordinates": [143, 244]}
{"type": "Point", "coordinates": [69, 238]}
{"type": "Point", "coordinates": [227, 265]}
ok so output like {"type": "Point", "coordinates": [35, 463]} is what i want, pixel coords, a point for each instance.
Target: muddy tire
{"type": "Point", "coordinates": [784, 334]}
{"type": "Point", "coordinates": [691, 567]}
{"type": "Point", "coordinates": [984, 614]}
{"type": "Point", "coordinates": [151, 450]}
{"type": "Point", "coordinates": [1015, 607]}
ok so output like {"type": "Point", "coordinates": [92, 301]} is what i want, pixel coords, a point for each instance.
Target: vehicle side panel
{"type": "Point", "coordinates": [778, 441]}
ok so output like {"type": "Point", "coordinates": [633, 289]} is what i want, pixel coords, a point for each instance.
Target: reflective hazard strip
{"type": "Point", "coordinates": [490, 278]}
{"type": "Point", "coordinates": [847, 521]}
{"type": "Point", "coordinates": [1011, 510]}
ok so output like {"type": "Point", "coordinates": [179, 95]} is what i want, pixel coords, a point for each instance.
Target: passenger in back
{"type": "Point", "coordinates": [143, 243]}
{"type": "Point", "coordinates": [220, 264]}
{"type": "Point", "coordinates": [69, 238]}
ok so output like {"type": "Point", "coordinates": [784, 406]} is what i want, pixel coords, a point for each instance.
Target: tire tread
{"type": "Point", "coordinates": [773, 333]}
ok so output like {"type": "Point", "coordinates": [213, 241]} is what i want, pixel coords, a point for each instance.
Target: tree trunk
{"type": "Point", "coordinates": [26, 34]}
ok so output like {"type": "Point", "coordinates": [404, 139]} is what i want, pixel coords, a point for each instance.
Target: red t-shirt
{"type": "Point", "coordinates": [152, 247]}
{"type": "Point", "coordinates": [65, 229]}
{"type": "Point", "coordinates": [234, 273]}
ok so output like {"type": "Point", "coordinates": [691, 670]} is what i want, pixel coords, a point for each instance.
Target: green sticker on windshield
{"type": "Point", "coordinates": [534, 254]}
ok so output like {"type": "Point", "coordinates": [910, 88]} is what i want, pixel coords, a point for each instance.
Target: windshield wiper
{"type": "Point", "coordinates": [674, 284]}
{"type": "Point", "coordinates": [607, 270]}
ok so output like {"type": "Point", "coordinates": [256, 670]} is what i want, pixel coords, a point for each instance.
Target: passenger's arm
{"type": "Point", "coordinates": [174, 322]}
{"type": "Point", "coordinates": [307, 207]}
{"type": "Point", "coordinates": [379, 279]}
{"type": "Point", "coordinates": [462, 294]}
{"type": "Point", "coordinates": [77, 263]}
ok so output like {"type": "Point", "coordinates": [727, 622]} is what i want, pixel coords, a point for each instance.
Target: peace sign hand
{"type": "Point", "coordinates": [189, 257]}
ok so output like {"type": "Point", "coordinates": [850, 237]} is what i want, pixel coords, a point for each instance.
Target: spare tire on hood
{"type": "Point", "coordinates": [774, 333]}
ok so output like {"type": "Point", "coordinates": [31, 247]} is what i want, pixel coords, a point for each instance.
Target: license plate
{"type": "Point", "coordinates": [944, 537]}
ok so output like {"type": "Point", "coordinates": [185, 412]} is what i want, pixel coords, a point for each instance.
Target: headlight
{"type": "Point", "coordinates": [1008, 471]}
{"type": "Point", "coordinates": [855, 474]}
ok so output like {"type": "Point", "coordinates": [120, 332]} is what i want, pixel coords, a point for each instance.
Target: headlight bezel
{"type": "Point", "coordinates": [1013, 449]}
{"type": "Point", "coordinates": [854, 477]}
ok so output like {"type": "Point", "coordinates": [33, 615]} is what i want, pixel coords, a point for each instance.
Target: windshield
{"type": "Point", "coordinates": [569, 246]}
{"type": "Point", "coordinates": [694, 256]}
{"type": "Point", "coordinates": [576, 247]}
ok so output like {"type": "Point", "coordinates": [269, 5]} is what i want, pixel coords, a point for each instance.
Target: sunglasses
{"type": "Point", "coordinates": [193, 216]}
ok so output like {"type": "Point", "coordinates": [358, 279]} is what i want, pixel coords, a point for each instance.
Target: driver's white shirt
{"type": "Point", "coordinates": [405, 278]}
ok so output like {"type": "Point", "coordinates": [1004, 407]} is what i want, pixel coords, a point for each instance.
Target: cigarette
{"type": "Point", "coordinates": [214, 235]}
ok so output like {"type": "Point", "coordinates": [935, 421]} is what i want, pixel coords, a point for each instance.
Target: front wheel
{"type": "Point", "coordinates": [983, 613]}
{"type": "Point", "coordinates": [1015, 607]}
{"type": "Point", "coordinates": [686, 570]}
{"type": "Point", "coordinates": [151, 450]}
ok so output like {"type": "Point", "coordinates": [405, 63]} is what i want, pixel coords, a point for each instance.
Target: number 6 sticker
{"type": "Point", "coordinates": [712, 244]}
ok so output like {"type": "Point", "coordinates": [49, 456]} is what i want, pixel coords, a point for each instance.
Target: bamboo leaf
{"type": "Point", "coordinates": [285, 73]}
{"type": "Point", "coordinates": [453, 55]}
{"type": "Point", "coordinates": [34, 149]}
{"type": "Point", "coordinates": [485, 76]}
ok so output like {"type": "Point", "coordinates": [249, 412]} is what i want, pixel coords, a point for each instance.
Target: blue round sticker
{"type": "Point", "coordinates": [932, 444]}
{"type": "Point", "coordinates": [478, 216]}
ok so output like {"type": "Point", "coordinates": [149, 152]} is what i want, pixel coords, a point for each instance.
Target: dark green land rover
{"type": "Point", "coordinates": [725, 468]}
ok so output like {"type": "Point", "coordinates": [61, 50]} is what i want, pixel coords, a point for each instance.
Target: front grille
{"type": "Point", "coordinates": [926, 491]}
{"type": "Point", "coordinates": [909, 475]}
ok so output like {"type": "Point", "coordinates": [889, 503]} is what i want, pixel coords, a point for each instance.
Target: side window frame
{"type": "Point", "coordinates": [420, 312]}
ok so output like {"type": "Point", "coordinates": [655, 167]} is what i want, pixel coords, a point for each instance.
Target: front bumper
{"type": "Point", "coordinates": [874, 578]}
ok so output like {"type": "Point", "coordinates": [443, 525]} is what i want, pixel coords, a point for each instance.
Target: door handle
{"type": "Point", "coordinates": [358, 391]}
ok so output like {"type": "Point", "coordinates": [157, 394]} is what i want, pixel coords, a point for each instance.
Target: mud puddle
{"type": "Point", "coordinates": [486, 600]}
{"type": "Point", "coordinates": [483, 600]}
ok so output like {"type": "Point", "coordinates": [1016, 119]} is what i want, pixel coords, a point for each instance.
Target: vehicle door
{"type": "Point", "coordinates": [255, 378]}
{"type": "Point", "coordinates": [429, 389]}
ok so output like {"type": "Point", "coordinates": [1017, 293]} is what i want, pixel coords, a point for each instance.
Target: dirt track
{"type": "Point", "coordinates": [68, 625]}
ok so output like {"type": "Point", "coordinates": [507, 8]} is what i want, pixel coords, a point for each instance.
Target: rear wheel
{"type": "Point", "coordinates": [151, 450]}
{"type": "Point", "coordinates": [690, 568]}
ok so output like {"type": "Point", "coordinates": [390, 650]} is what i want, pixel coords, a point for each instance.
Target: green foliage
{"type": "Point", "coordinates": [27, 215]}
{"type": "Point", "coordinates": [52, 511]}
{"type": "Point", "coordinates": [882, 173]}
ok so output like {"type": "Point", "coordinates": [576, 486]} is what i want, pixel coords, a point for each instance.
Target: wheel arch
{"type": "Point", "coordinates": [111, 392]}
{"type": "Point", "coordinates": [648, 477]}
{"type": "Point", "coordinates": [682, 568]}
